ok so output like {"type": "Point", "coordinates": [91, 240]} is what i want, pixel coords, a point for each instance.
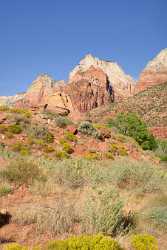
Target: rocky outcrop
{"type": "Point", "coordinates": [91, 84]}
{"type": "Point", "coordinates": [90, 89]}
{"type": "Point", "coordinates": [47, 93]}
{"type": "Point", "coordinates": [123, 85]}
{"type": "Point", "coordinates": [154, 73]}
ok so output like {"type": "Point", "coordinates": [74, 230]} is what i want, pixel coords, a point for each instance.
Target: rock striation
{"type": "Point", "coordinates": [154, 73]}
{"type": "Point", "coordinates": [90, 89]}
{"type": "Point", "coordinates": [123, 84]}
{"type": "Point", "coordinates": [91, 84]}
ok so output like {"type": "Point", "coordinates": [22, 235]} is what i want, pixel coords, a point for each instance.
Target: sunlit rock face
{"type": "Point", "coordinates": [91, 84]}
{"type": "Point", "coordinates": [89, 89]}
{"type": "Point", "coordinates": [123, 84]}
{"type": "Point", "coordinates": [154, 73]}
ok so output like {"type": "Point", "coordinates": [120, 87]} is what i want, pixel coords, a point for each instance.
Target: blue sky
{"type": "Point", "coordinates": [51, 36]}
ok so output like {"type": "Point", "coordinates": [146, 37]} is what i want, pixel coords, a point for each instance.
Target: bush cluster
{"type": "Point", "coordinates": [94, 242]}
{"type": "Point", "coordinates": [87, 128]}
{"type": "Point", "coordinates": [103, 212]}
{"type": "Point", "coordinates": [144, 242]}
{"type": "Point", "coordinates": [131, 125]}
{"type": "Point", "coordinates": [22, 171]}
{"type": "Point", "coordinates": [62, 122]}
{"type": "Point", "coordinates": [41, 133]}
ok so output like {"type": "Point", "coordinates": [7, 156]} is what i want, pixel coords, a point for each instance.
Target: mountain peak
{"type": "Point", "coordinates": [159, 62]}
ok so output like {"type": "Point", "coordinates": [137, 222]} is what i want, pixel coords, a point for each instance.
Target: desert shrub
{"type": "Point", "coordinates": [14, 246]}
{"type": "Point", "coordinates": [41, 133]}
{"type": "Point", "coordinates": [15, 129]}
{"type": "Point", "coordinates": [66, 146]}
{"type": "Point", "coordinates": [6, 154]}
{"type": "Point", "coordinates": [9, 135]}
{"type": "Point", "coordinates": [117, 149]}
{"type": "Point", "coordinates": [156, 218]}
{"type": "Point", "coordinates": [109, 155]}
{"type": "Point", "coordinates": [22, 171]}
{"type": "Point", "coordinates": [70, 173]}
{"type": "Point", "coordinates": [60, 155]}
{"type": "Point", "coordinates": [57, 219]}
{"type": "Point", "coordinates": [20, 119]}
{"type": "Point", "coordinates": [21, 148]}
{"type": "Point", "coordinates": [103, 212]}
{"type": "Point", "coordinates": [92, 156]}
{"type": "Point", "coordinates": [92, 242]}
{"type": "Point", "coordinates": [139, 176]}
{"type": "Point", "coordinates": [4, 108]}
{"type": "Point", "coordinates": [70, 136]}
{"type": "Point", "coordinates": [144, 242]}
{"type": "Point", "coordinates": [25, 112]}
{"type": "Point", "coordinates": [130, 124]}
{"type": "Point", "coordinates": [62, 122]}
{"type": "Point", "coordinates": [3, 128]}
{"type": "Point", "coordinates": [87, 128]}
{"type": "Point", "coordinates": [161, 150]}
{"type": "Point", "coordinates": [48, 149]}
{"type": "Point", "coordinates": [5, 189]}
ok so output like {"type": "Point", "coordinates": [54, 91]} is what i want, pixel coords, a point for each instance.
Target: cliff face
{"type": "Point", "coordinates": [123, 85]}
{"type": "Point", "coordinates": [91, 84]}
{"type": "Point", "coordinates": [154, 73]}
{"type": "Point", "coordinates": [89, 89]}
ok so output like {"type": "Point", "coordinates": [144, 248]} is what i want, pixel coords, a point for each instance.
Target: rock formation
{"type": "Point", "coordinates": [123, 85]}
{"type": "Point", "coordinates": [154, 73]}
{"type": "Point", "coordinates": [91, 84]}
{"type": "Point", "coordinates": [47, 93]}
{"type": "Point", "coordinates": [90, 89]}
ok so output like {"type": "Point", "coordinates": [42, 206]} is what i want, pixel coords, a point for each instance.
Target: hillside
{"type": "Point", "coordinates": [71, 178]}
{"type": "Point", "coordinates": [61, 178]}
{"type": "Point", "coordinates": [150, 104]}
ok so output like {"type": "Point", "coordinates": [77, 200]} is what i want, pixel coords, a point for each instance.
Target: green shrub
{"type": "Point", "coordinates": [41, 133]}
{"type": "Point", "coordinates": [15, 129]}
{"type": "Point", "coordinates": [109, 155]}
{"type": "Point", "coordinates": [62, 122]}
{"type": "Point", "coordinates": [103, 212]}
{"type": "Point", "coordinates": [144, 242]}
{"type": "Point", "coordinates": [87, 128]}
{"type": "Point", "coordinates": [22, 171]}
{"type": "Point", "coordinates": [117, 149]}
{"type": "Point", "coordinates": [14, 246]}
{"type": "Point", "coordinates": [156, 217]}
{"type": "Point", "coordinates": [48, 149]}
{"type": "Point", "coordinates": [93, 242]}
{"type": "Point", "coordinates": [161, 150]}
{"type": "Point", "coordinates": [60, 155]}
{"type": "Point", "coordinates": [70, 136]}
{"type": "Point", "coordinates": [92, 156]}
{"type": "Point", "coordinates": [3, 128]}
{"type": "Point", "coordinates": [130, 124]}
{"type": "Point", "coordinates": [84, 242]}
{"type": "Point", "coordinates": [4, 108]}
{"type": "Point", "coordinates": [25, 112]}
{"type": "Point", "coordinates": [5, 189]}
{"type": "Point", "coordinates": [21, 148]}
{"type": "Point", "coordinates": [67, 148]}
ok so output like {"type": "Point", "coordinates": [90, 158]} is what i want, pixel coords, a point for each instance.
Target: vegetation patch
{"type": "Point", "coordinates": [22, 171]}
{"type": "Point", "coordinates": [144, 242]}
{"type": "Point", "coordinates": [130, 124]}
{"type": "Point", "coordinates": [87, 128]}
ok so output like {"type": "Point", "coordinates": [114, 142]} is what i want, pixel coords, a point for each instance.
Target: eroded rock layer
{"type": "Point", "coordinates": [154, 73]}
